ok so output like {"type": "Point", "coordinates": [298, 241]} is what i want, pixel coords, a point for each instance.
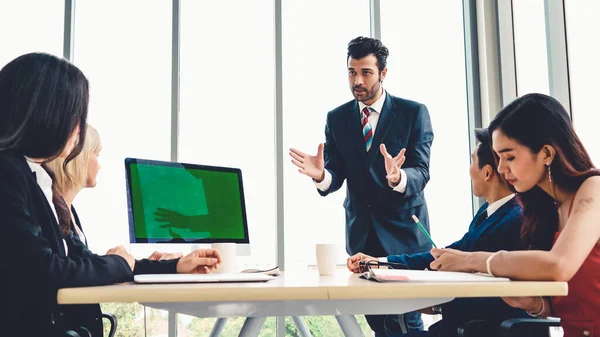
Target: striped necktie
{"type": "Point", "coordinates": [367, 130]}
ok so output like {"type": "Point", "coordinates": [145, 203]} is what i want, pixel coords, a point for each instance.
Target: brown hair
{"type": "Point", "coordinates": [62, 210]}
{"type": "Point", "coordinates": [535, 120]}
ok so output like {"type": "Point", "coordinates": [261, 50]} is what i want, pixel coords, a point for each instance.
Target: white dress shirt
{"type": "Point", "coordinates": [373, 119]}
{"type": "Point", "coordinates": [498, 203]}
{"type": "Point", "coordinates": [79, 232]}
{"type": "Point", "coordinates": [45, 183]}
{"type": "Point", "coordinates": [490, 210]}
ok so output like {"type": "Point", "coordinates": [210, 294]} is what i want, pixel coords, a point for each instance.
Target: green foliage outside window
{"type": "Point", "coordinates": [137, 321]}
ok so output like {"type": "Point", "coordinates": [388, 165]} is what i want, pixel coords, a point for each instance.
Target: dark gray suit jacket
{"type": "Point", "coordinates": [372, 206]}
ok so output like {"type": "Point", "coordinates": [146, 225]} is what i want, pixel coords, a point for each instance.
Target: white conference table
{"type": "Point", "coordinates": [303, 293]}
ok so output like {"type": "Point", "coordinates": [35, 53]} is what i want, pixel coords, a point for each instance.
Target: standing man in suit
{"type": "Point", "coordinates": [496, 226]}
{"type": "Point", "coordinates": [380, 145]}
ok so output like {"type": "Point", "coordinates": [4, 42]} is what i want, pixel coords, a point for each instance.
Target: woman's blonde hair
{"type": "Point", "coordinates": [75, 175]}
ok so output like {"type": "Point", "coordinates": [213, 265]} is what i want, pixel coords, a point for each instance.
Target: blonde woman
{"type": "Point", "coordinates": [82, 172]}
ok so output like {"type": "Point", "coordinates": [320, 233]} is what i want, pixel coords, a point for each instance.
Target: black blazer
{"type": "Point", "coordinates": [371, 204]}
{"type": "Point", "coordinates": [35, 264]}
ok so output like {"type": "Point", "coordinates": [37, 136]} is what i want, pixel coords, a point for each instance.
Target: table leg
{"type": "Point", "coordinates": [349, 325]}
{"type": "Point", "coordinates": [217, 329]}
{"type": "Point", "coordinates": [303, 329]}
{"type": "Point", "coordinates": [172, 324]}
{"type": "Point", "coordinates": [252, 326]}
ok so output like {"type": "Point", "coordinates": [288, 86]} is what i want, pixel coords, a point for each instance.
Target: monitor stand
{"type": "Point", "coordinates": [143, 250]}
{"type": "Point", "coordinates": [242, 249]}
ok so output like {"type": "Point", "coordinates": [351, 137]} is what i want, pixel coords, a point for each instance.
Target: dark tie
{"type": "Point", "coordinates": [481, 218]}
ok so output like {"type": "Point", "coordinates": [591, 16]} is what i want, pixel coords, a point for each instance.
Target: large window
{"type": "Point", "coordinates": [427, 65]}
{"type": "Point", "coordinates": [315, 38]}
{"type": "Point", "coordinates": [30, 26]}
{"type": "Point", "coordinates": [584, 70]}
{"type": "Point", "coordinates": [530, 47]}
{"type": "Point", "coordinates": [227, 111]}
{"type": "Point", "coordinates": [228, 105]}
{"type": "Point", "coordinates": [129, 68]}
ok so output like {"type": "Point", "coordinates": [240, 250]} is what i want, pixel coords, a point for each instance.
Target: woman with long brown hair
{"type": "Point", "coordinates": [43, 112]}
{"type": "Point", "coordinates": [541, 156]}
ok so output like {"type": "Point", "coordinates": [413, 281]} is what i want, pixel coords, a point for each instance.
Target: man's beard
{"type": "Point", "coordinates": [367, 94]}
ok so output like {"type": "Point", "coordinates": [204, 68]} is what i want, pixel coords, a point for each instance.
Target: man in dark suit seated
{"type": "Point", "coordinates": [496, 226]}
{"type": "Point", "coordinates": [379, 145]}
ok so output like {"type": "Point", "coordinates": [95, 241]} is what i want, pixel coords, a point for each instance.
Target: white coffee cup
{"type": "Point", "coordinates": [228, 257]}
{"type": "Point", "coordinates": [326, 258]}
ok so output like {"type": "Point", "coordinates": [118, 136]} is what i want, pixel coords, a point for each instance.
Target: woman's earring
{"type": "Point", "coordinates": [549, 173]}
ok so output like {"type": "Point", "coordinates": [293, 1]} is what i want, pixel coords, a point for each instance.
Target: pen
{"type": "Point", "coordinates": [423, 230]}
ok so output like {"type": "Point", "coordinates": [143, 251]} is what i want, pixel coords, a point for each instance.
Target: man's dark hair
{"type": "Point", "coordinates": [485, 155]}
{"type": "Point", "coordinates": [365, 46]}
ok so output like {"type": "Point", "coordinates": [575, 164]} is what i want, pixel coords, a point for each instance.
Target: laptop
{"type": "Point", "coordinates": [202, 278]}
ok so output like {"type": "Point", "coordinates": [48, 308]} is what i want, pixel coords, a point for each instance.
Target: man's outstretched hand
{"type": "Point", "coordinates": [312, 166]}
{"type": "Point", "coordinates": [393, 165]}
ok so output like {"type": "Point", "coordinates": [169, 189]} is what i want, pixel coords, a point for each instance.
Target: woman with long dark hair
{"type": "Point", "coordinates": [541, 156]}
{"type": "Point", "coordinates": [43, 111]}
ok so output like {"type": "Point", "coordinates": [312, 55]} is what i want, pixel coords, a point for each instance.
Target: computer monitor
{"type": "Point", "coordinates": [178, 203]}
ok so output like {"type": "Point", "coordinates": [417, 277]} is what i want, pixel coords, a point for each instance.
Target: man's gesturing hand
{"type": "Point", "coordinates": [393, 165]}
{"type": "Point", "coordinates": [312, 166]}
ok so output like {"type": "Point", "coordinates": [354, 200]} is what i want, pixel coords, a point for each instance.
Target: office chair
{"type": "Point", "coordinates": [83, 332]}
{"type": "Point", "coordinates": [478, 328]}
{"type": "Point", "coordinates": [78, 332]}
{"type": "Point", "coordinates": [71, 333]}
{"type": "Point", "coordinates": [516, 327]}
{"type": "Point", "coordinates": [528, 327]}
{"type": "Point", "coordinates": [113, 323]}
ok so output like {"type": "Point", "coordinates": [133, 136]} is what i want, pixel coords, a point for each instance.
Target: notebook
{"type": "Point", "coordinates": [402, 275]}
{"type": "Point", "coordinates": [273, 271]}
{"type": "Point", "coordinates": [202, 278]}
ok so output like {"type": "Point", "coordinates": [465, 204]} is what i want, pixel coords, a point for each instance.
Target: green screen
{"type": "Point", "coordinates": [174, 203]}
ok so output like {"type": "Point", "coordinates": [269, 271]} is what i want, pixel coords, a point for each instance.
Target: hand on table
{"type": "Point", "coordinates": [353, 262]}
{"type": "Point", "coordinates": [200, 261]}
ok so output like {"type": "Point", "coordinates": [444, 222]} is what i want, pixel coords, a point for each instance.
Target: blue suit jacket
{"type": "Point", "coordinates": [500, 231]}
{"type": "Point", "coordinates": [371, 204]}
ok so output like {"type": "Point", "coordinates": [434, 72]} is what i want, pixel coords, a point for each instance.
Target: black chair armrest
{"type": "Point", "coordinates": [477, 328]}
{"type": "Point", "coordinates": [71, 333]}
{"type": "Point", "coordinates": [113, 323]}
{"type": "Point", "coordinates": [533, 327]}
{"type": "Point", "coordinates": [78, 332]}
